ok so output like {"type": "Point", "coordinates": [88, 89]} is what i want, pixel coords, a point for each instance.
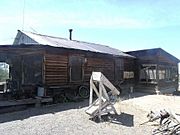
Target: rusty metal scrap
{"type": "Point", "coordinates": [169, 122]}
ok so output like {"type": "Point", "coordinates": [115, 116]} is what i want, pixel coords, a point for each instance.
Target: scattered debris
{"type": "Point", "coordinates": [169, 122]}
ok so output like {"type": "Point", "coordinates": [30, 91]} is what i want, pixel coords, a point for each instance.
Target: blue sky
{"type": "Point", "coordinates": [124, 24]}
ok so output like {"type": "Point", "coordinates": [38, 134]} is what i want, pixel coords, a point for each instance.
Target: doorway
{"type": "Point", "coordinates": [76, 68]}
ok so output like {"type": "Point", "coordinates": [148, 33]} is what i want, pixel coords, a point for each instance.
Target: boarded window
{"type": "Point", "coordinates": [76, 71]}
{"type": "Point", "coordinates": [128, 75]}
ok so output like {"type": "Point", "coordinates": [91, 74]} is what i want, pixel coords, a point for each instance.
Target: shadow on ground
{"type": "Point", "coordinates": [122, 119]}
{"type": "Point", "coordinates": [54, 108]}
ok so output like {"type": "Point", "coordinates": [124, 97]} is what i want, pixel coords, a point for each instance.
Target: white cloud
{"type": "Point", "coordinates": [117, 15]}
{"type": "Point", "coordinates": [83, 20]}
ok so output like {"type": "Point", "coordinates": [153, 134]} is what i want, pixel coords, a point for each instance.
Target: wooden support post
{"type": "Point", "coordinates": [157, 79]}
{"type": "Point", "coordinates": [104, 92]}
{"type": "Point", "coordinates": [100, 100]}
{"type": "Point", "coordinates": [95, 89]}
{"type": "Point", "coordinates": [91, 92]}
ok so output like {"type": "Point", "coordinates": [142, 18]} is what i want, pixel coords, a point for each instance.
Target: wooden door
{"type": "Point", "coordinates": [76, 68]}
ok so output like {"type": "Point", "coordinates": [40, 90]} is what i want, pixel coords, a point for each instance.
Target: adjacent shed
{"type": "Point", "coordinates": [156, 71]}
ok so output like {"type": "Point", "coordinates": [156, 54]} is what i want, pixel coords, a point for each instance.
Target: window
{"type": "Point", "coordinates": [128, 75]}
{"type": "Point", "coordinates": [120, 64]}
{"type": "Point", "coordinates": [4, 71]}
{"type": "Point", "coordinates": [167, 72]}
{"type": "Point", "coordinates": [162, 74]}
{"type": "Point", "coordinates": [174, 73]}
{"type": "Point", "coordinates": [148, 73]}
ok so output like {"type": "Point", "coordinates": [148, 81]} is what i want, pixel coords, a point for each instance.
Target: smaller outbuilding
{"type": "Point", "coordinates": [156, 71]}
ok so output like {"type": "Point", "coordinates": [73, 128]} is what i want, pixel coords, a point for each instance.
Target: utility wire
{"type": "Point", "coordinates": [23, 15]}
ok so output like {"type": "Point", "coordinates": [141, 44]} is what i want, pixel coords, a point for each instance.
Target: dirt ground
{"type": "Point", "coordinates": [70, 118]}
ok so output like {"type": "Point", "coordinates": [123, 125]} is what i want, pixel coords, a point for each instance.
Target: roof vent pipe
{"type": "Point", "coordinates": [70, 34]}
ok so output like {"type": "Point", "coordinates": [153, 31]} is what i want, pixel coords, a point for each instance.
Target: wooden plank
{"type": "Point", "coordinates": [57, 58]}
{"type": "Point", "coordinates": [64, 72]}
{"type": "Point", "coordinates": [56, 69]}
{"type": "Point", "coordinates": [50, 75]}
{"type": "Point", "coordinates": [56, 61]}
{"type": "Point", "coordinates": [56, 79]}
{"type": "Point", "coordinates": [56, 73]}
{"type": "Point", "coordinates": [56, 64]}
{"type": "Point", "coordinates": [56, 83]}
{"type": "Point", "coordinates": [49, 66]}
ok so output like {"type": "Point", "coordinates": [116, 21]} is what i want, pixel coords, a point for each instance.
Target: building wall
{"type": "Point", "coordinates": [165, 76]}
{"type": "Point", "coordinates": [106, 66]}
{"type": "Point", "coordinates": [58, 68]}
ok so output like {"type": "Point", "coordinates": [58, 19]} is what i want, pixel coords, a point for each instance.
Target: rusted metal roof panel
{"type": "Point", "coordinates": [74, 44]}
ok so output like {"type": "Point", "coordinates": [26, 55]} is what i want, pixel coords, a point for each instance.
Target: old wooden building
{"type": "Point", "coordinates": [61, 66]}
{"type": "Point", "coordinates": [58, 67]}
{"type": "Point", "coordinates": [156, 71]}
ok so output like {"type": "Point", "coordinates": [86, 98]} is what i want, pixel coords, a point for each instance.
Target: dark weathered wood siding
{"type": "Point", "coordinates": [55, 69]}
{"type": "Point", "coordinates": [163, 61]}
{"type": "Point", "coordinates": [106, 66]}
{"type": "Point", "coordinates": [51, 67]}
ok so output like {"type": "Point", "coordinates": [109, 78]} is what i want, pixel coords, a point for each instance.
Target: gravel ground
{"type": "Point", "coordinates": [70, 118]}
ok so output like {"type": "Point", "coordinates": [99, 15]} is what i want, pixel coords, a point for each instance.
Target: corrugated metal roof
{"type": "Point", "coordinates": [74, 44]}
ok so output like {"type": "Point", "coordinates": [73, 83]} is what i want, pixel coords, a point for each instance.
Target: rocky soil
{"type": "Point", "coordinates": [70, 118]}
